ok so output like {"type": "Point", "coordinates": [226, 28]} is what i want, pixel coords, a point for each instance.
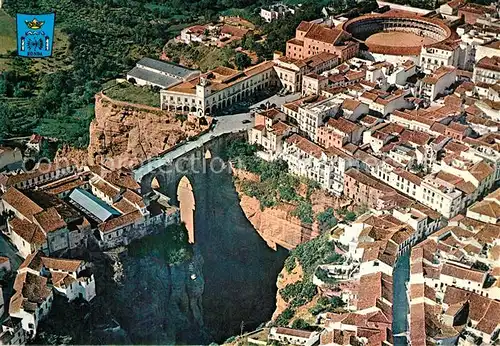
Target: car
{"type": "Point", "coordinates": [246, 121]}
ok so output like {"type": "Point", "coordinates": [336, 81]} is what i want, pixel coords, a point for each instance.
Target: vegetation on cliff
{"type": "Point", "coordinates": [276, 185]}
{"type": "Point", "coordinates": [309, 255]}
{"type": "Point", "coordinates": [326, 304]}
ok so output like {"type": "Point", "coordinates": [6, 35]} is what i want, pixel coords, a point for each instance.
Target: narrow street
{"type": "Point", "coordinates": [400, 308]}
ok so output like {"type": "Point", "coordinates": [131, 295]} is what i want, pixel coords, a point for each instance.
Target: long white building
{"type": "Point", "coordinates": [218, 89]}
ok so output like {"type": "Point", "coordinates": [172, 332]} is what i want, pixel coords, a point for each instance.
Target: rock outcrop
{"type": "Point", "coordinates": [124, 134]}
{"type": "Point", "coordinates": [156, 303]}
{"type": "Point", "coordinates": [285, 278]}
{"type": "Point", "coordinates": [277, 225]}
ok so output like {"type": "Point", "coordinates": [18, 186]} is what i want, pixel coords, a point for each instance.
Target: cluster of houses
{"type": "Point", "coordinates": [454, 287]}
{"type": "Point", "coordinates": [415, 141]}
{"type": "Point", "coordinates": [55, 210]}
{"type": "Point", "coordinates": [412, 136]}
{"type": "Point", "coordinates": [227, 30]}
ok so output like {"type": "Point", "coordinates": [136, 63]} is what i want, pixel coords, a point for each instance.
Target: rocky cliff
{"type": "Point", "coordinates": [124, 134]}
{"type": "Point", "coordinates": [160, 304]}
{"type": "Point", "coordinates": [277, 225]}
{"type": "Point", "coordinates": [140, 300]}
{"type": "Point", "coordinates": [285, 278]}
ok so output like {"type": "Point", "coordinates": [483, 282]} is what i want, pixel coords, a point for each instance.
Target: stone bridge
{"type": "Point", "coordinates": [180, 173]}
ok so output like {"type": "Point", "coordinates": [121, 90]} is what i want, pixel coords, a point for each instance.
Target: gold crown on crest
{"type": "Point", "coordinates": [34, 24]}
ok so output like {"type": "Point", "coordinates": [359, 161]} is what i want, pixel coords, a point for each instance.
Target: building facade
{"type": "Point", "coordinates": [218, 89]}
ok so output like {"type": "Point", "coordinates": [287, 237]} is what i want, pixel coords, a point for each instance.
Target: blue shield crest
{"type": "Point", "coordinates": [35, 34]}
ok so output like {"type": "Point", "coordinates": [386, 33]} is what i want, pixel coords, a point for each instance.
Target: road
{"type": "Point", "coordinates": [234, 122]}
{"type": "Point", "coordinates": [400, 308]}
{"type": "Point", "coordinates": [225, 124]}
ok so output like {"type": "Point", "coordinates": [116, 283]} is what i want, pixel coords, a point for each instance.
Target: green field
{"type": "Point", "coordinates": [135, 94]}
{"type": "Point", "coordinates": [7, 37]}
{"type": "Point", "coordinates": [7, 32]}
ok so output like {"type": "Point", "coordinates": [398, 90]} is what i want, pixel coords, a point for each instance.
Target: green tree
{"type": "Point", "coordinates": [350, 216]}
{"type": "Point", "coordinates": [336, 302]}
{"type": "Point", "coordinates": [242, 61]}
{"type": "Point", "coordinates": [304, 212]}
{"type": "Point", "coordinates": [284, 318]}
{"type": "Point", "coordinates": [299, 323]}
{"type": "Point", "coordinates": [327, 218]}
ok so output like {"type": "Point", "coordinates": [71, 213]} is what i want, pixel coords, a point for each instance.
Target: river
{"type": "Point", "coordinates": [240, 270]}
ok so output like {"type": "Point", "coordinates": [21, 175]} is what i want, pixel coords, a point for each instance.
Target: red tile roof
{"type": "Point", "coordinates": [21, 203]}
{"type": "Point", "coordinates": [305, 145]}
{"type": "Point", "coordinates": [489, 63]}
{"type": "Point", "coordinates": [463, 273]}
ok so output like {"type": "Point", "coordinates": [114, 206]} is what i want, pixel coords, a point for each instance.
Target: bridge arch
{"type": "Point", "coordinates": [187, 205]}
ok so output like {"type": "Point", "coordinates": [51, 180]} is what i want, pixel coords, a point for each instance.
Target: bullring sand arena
{"type": "Point", "coordinates": [397, 33]}
{"type": "Point", "coordinates": [398, 39]}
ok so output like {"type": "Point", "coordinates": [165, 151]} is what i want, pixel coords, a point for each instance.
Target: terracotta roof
{"type": "Point", "coordinates": [28, 231]}
{"type": "Point", "coordinates": [487, 208]}
{"type": "Point", "coordinates": [304, 26]}
{"type": "Point", "coordinates": [422, 291]}
{"type": "Point", "coordinates": [481, 170]}
{"type": "Point", "coordinates": [296, 42]}
{"type": "Point", "coordinates": [463, 273]}
{"type": "Point", "coordinates": [21, 203]}
{"type": "Point", "coordinates": [392, 129]}
{"type": "Point", "coordinates": [413, 178]}
{"type": "Point", "coordinates": [368, 119]}
{"type": "Point", "coordinates": [66, 265]}
{"type": "Point", "coordinates": [222, 77]}
{"type": "Point", "coordinates": [233, 30]}
{"type": "Point", "coordinates": [449, 45]}
{"type": "Point", "coordinates": [305, 145]}
{"type": "Point", "coordinates": [417, 137]}
{"type": "Point", "coordinates": [62, 280]}
{"type": "Point", "coordinates": [491, 319]}
{"type": "Point", "coordinates": [280, 127]}
{"type": "Point", "coordinates": [124, 206]}
{"type": "Point", "coordinates": [33, 261]}
{"type": "Point", "coordinates": [438, 74]}
{"type": "Point", "coordinates": [106, 188]}
{"type": "Point", "coordinates": [455, 4]}
{"type": "Point", "coordinates": [343, 125]}
{"type": "Point", "coordinates": [294, 332]}
{"type": "Point", "coordinates": [479, 120]}
{"type": "Point", "coordinates": [31, 291]}
{"type": "Point", "coordinates": [50, 220]}
{"type": "Point", "coordinates": [476, 8]}
{"type": "Point", "coordinates": [134, 198]}
{"type": "Point", "coordinates": [412, 117]}
{"type": "Point", "coordinates": [120, 221]}
{"type": "Point", "coordinates": [489, 63]}
{"type": "Point", "coordinates": [324, 34]}
{"type": "Point", "coordinates": [43, 168]}
{"type": "Point", "coordinates": [365, 179]}
{"type": "Point", "coordinates": [350, 104]}
{"type": "Point", "coordinates": [373, 287]}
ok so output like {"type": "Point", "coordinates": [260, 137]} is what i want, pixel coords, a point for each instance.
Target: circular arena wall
{"type": "Point", "coordinates": [397, 34]}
